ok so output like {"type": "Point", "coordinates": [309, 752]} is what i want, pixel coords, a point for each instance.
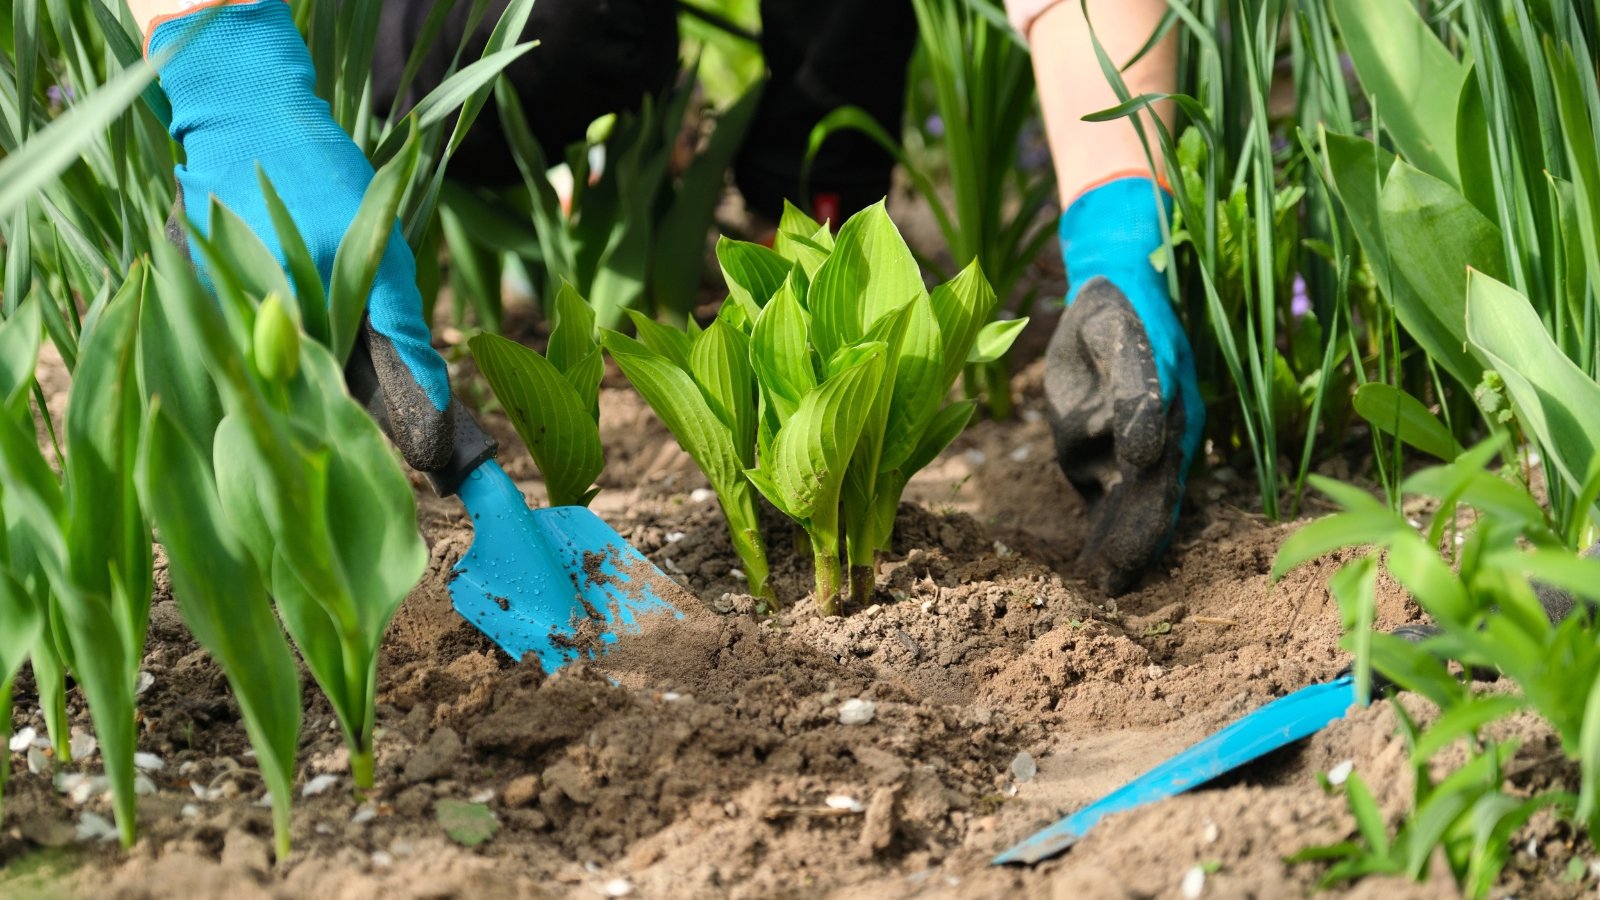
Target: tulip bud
{"type": "Point", "coordinates": [277, 341]}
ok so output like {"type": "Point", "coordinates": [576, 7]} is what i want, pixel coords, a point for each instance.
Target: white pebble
{"type": "Point", "coordinates": [671, 697]}
{"type": "Point", "coordinates": [618, 887]}
{"type": "Point", "coordinates": [319, 785]}
{"type": "Point", "coordinates": [149, 762]}
{"type": "Point", "coordinates": [1023, 767]}
{"type": "Point", "coordinates": [1022, 453]}
{"type": "Point", "coordinates": [1031, 416]}
{"type": "Point", "coordinates": [1194, 882]}
{"type": "Point", "coordinates": [22, 740]}
{"type": "Point", "coordinates": [145, 682]}
{"type": "Point", "coordinates": [38, 763]}
{"type": "Point", "coordinates": [856, 711]}
{"type": "Point", "coordinates": [365, 813]}
{"type": "Point", "coordinates": [143, 786]}
{"type": "Point", "coordinates": [842, 801]}
{"type": "Point", "coordinates": [675, 536]}
{"type": "Point", "coordinates": [95, 827]}
{"type": "Point", "coordinates": [701, 495]}
{"type": "Point", "coordinates": [483, 796]}
{"type": "Point", "coordinates": [976, 457]}
{"type": "Point", "coordinates": [190, 811]}
{"type": "Point", "coordinates": [735, 573]}
{"type": "Point", "coordinates": [382, 860]}
{"type": "Point", "coordinates": [324, 828]}
{"type": "Point", "coordinates": [1002, 551]}
{"type": "Point", "coordinates": [1211, 833]}
{"type": "Point", "coordinates": [83, 745]}
{"type": "Point", "coordinates": [1340, 773]}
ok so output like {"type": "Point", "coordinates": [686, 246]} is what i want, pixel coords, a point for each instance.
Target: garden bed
{"type": "Point", "coordinates": [700, 757]}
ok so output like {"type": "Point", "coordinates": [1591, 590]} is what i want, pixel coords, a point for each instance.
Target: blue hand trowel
{"type": "Point", "coordinates": [558, 583]}
{"type": "Point", "coordinates": [1278, 724]}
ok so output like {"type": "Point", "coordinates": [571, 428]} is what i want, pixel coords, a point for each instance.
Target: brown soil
{"type": "Point", "coordinates": [699, 758]}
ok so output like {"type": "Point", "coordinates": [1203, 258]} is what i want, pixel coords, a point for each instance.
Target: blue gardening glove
{"type": "Point", "coordinates": [241, 85]}
{"type": "Point", "coordinates": [1120, 379]}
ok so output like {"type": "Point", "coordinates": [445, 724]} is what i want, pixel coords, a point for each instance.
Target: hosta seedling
{"type": "Point", "coordinates": [826, 375]}
{"type": "Point", "coordinates": [553, 400]}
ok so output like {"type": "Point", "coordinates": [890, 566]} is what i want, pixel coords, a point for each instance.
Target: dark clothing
{"type": "Point", "coordinates": [602, 56]}
{"type": "Point", "coordinates": [594, 57]}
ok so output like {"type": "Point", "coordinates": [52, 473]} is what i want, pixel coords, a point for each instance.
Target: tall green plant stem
{"type": "Point", "coordinates": [824, 531]}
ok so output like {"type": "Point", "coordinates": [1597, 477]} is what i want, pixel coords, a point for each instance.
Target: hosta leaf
{"type": "Point", "coordinates": [1394, 412]}
{"type": "Point", "coordinates": [918, 386]}
{"type": "Point", "coordinates": [963, 306]}
{"type": "Point", "coordinates": [781, 353]}
{"type": "Point", "coordinates": [794, 220]}
{"type": "Point", "coordinates": [994, 339]}
{"type": "Point", "coordinates": [672, 393]}
{"type": "Point", "coordinates": [870, 273]}
{"type": "Point", "coordinates": [553, 419]}
{"type": "Point", "coordinates": [810, 455]}
{"type": "Point", "coordinates": [946, 426]}
{"type": "Point", "coordinates": [720, 364]}
{"type": "Point", "coordinates": [663, 339]}
{"type": "Point", "coordinates": [754, 273]}
{"type": "Point", "coordinates": [572, 333]}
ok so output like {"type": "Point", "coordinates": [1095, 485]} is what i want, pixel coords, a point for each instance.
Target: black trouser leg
{"type": "Point", "coordinates": [823, 54]}
{"type": "Point", "coordinates": [595, 57]}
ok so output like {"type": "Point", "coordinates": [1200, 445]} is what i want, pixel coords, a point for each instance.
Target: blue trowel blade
{"type": "Point", "coordinates": [1279, 723]}
{"type": "Point", "coordinates": [557, 583]}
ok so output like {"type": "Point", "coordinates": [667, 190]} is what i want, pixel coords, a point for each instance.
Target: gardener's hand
{"type": "Point", "coordinates": [241, 84]}
{"type": "Point", "coordinates": [1120, 380]}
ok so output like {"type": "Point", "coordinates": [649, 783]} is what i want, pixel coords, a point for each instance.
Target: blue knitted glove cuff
{"type": "Point", "coordinates": [1110, 232]}
{"type": "Point", "coordinates": [241, 84]}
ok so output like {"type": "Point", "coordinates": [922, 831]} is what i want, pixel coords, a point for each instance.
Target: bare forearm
{"type": "Point", "coordinates": [1072, 85]}
{"type": "Point", "coordinates": [148, 13]}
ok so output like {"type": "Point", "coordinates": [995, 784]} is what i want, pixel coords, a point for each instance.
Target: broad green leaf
{"type": "Point", "coordinates": [794, 220]}
{"type": "Point", "coordinates": [870, 273]}
{"type": "Point", "coordinates": [251, 266]}
{"type": "Point", "coordinates": [963, 306]}
{"type": "Point", "coordinates": [1394, 412]}
{"type": "Point", "coordinates": [355, 265]}
{"type": "Point", "coordinates": [308, 288]}
{"type": "Point", "coordinates": [553, 420]}
{"type": "Point", "coordinates": [810, 454]}
{"type": "Point", "coordinates": [224, 602]}
{"type": "Point", "coordinates": [573, 349]}
{"type": "Point", "coordinates": [19, 353]}
{"type": "Point", "coordinates": [946, 426]}
{"type": "Point", "coordinates": [1554, 399]}
{"type": "Point", "coordinates": [753, 273]}
{"type": "Point", "coordinates": [663, 339]}
{"type": "Point", "coordinates": [780, 351]}
{"type": "Point", "coordinates": [994, 339]}
{"type": "Point", "coordinates": [672, 393]}
{"type": "Point", "coordinates": [1413, 78]}
{"type": "Point", "coordinates": [1358, 167]}
{"type": "Point", "coordinates": [918, 388]}
{"type": "Point", "coordinates": [720, 365]}
{"type": "Point", "coordinates": [1434, 235]}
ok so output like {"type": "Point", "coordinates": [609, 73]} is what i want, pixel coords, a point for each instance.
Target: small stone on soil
{"type": "Point", "coordinates": [95, 827]}
{"type": "Point", "coordinates": [618, 887]}
{"type": "Point", "coordinates": [522, 791]}
{"type": "Point", "coordinates": [842, 801]}
{"type": "Point", "coordinates": [319, 785]}
{"type": "Point", "coordinates": [84, 745]}
{"type": "Point", "coordinates": [857, 711]}
{"type": "Point", "coordinates": [436, 758]}
{"type": "Point", "coordinates": [1194, 883]}
{"type": "Point", "coordinates": [1023, 768]}
{"type": "Point", "coordinates": [1341, 772]}
{"type": "Point", "coordinates": [22, 739]}
{"type": "Point", "coordinates": [147, 761]}
{"type": "Point", "coordinates": [701, 495]}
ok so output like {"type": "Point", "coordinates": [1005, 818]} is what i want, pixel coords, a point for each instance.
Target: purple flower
{"type": "Point", "coordinates": [934, 126]}
{"type": "Point", "coordinates": [1300, 304]}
